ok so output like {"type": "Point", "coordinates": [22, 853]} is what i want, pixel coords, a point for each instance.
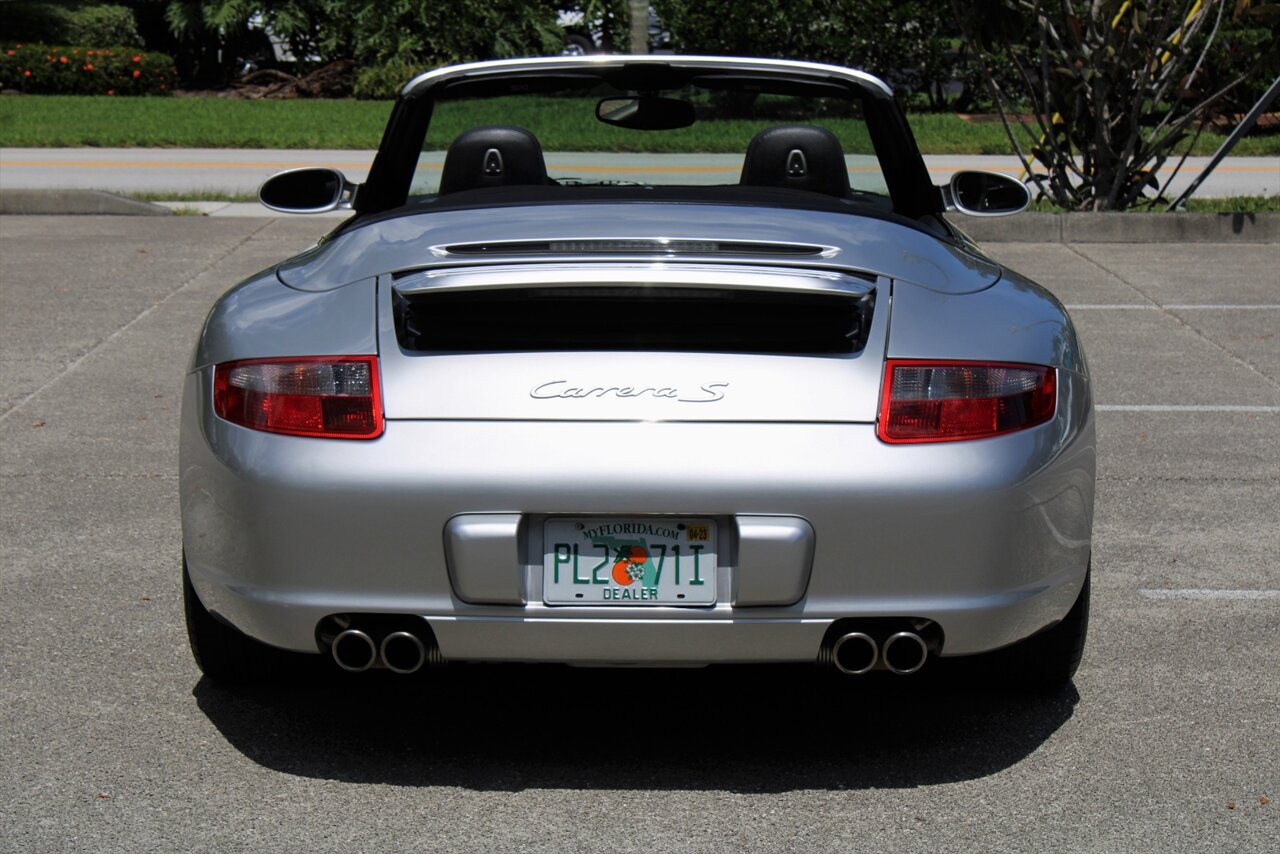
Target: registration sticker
{"type": "Point", "coordinates": [631, 561]}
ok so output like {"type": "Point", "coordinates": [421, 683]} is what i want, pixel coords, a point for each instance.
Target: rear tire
{"type": "Point", "coordinates": [1047, 661]}
{"type": "Point", "coordinates": [221, 652]}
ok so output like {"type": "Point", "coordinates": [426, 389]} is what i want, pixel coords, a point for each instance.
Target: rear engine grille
{"type": "Point", "coordinates": [628, 318]}
{"type": "Point", "coordinates": [641, 246]}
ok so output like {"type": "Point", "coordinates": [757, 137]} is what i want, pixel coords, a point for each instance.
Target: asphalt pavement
{"type": "Point", "coordinates": [242, 171]}
{"type": "Point", "coordinates": [111, 740]}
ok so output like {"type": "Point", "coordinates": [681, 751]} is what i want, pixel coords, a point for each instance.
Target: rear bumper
{"type": "Point", "coordinates": [989, 539]}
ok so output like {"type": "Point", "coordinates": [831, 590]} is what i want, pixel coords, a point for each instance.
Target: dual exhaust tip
{"type": "Point", "coordinates": [401, 652]}
{"type": "Point", "coordinates": [854, 653]}
{"type": "Point", "coordinates": [857, 653]}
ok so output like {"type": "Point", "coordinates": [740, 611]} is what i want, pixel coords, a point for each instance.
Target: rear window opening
{"type": "Point", "coordinates": [633, 318]}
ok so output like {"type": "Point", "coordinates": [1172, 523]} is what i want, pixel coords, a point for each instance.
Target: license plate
{"type": "Point", "coordinates": [612, 561]}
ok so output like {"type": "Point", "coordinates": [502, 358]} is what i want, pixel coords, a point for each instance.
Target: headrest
{"type": "Point", "coordinates": [492, 157]}
{"type": "Point", "coordinates": [801, 157]}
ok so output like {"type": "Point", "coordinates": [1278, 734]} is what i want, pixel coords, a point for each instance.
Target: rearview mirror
{"type": "Point", "coordinates": [985, 194]}
{"type": "Point", "coordinates": [645, 112]}
{"type": "Point", "coordinates": [307, 190]}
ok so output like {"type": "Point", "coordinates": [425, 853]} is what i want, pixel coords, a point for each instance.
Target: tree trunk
{"type": "Point", "coordinates": [638, 10]}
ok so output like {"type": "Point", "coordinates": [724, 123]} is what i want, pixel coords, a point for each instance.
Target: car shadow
{"type": "Point", "coordinates": [736, 729]}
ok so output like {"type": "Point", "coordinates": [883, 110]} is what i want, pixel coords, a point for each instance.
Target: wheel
{"type": "Point", "coordinates": [1048, 660]}
{"type": "Point", "coordinates": [576, 45]}
{"type": "Point", "coordinates": [222, 653]}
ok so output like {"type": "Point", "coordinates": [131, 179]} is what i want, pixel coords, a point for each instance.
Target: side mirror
{"type": "Point", "coordinates": [308, 190]}
{"type": "Point", "coordinates": [985, 194]}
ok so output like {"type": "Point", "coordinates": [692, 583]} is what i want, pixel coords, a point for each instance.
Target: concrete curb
{"type": "Point", "coordinates": [33, 202]}
{"type": "Point", "coordinates": [1034, 227]}
{"type": "Point", "coordinates": [1030, 227]}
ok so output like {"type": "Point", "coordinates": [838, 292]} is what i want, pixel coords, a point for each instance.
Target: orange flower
{"type": "Point", "coordinates": [88, 53]}
{"type": "Point", "coordinates": [137, 73]}
{"type": "Point", "coordinates": [62, 59]}
{"type": "Point", "coordinates": [111, 91]}
{"type": "Point", "coordinates": [137, 59]}
{"type": "Point", "coordinates": [8, 53]}
{"type": "Point", "coordinates": [26, 74]}
{"type": "Point", "coordinates": [88, 68]}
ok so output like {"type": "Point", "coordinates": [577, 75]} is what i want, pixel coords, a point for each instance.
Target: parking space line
{"type": "Point", "coordinates": [1195, 593]}
{"type": "Point", "coordinates": [1157, 407]}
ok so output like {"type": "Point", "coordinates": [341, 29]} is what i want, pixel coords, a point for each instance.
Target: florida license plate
{"type": "Point", "coordinates": [638, 561]}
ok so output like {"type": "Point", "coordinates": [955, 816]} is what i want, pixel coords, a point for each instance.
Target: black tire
{"type": "Point", "coordinates": [576, 45]}
{"type": "Point", "coordinates": [1047, 661]}
{"type": "Point", "coordinates": [221, 652]}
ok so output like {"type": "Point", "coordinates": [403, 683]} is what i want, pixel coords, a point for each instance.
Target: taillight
{"type": "Point", "coordinates": [332, 396]}
{"type": "Point", "coordinates": [944, 401]}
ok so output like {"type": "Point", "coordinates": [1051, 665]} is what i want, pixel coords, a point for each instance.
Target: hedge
{"type": "Point", "coordinates": [70, 23]}
{"type": "Point", "coordinates": [40, 69]}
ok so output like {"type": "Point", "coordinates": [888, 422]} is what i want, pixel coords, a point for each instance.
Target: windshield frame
{"type": "Point", "coordinates": [912, 193]}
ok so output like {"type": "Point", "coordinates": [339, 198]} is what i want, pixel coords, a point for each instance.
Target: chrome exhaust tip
{"type": "Point", "coordinates": [354, 651]}
{"type": "Point", "coordinates": [855, 653]}
{"type": "Point", "coordinates": [403, 652]}
{"type": "Point", "coordinates": [905, 653]}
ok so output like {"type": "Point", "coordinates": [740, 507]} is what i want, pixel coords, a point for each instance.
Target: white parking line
{"type": "Point", "coordinates": [1222, 307]}
{"type": "Point", "coordinates": [1177, 307]}
{"type": "Point", "coordinates": [1156, 407]}
{"type": "Point", "coordinates": [1209, 594]}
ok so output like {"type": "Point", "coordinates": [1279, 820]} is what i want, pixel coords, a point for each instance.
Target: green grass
{"type": "Point", "coordinates": [1223, 204]}
{"type": "Point", "coordinates": [568, 124]}
{"type": "Point", "coordinates": [1235, 204]}
{"type": "Point", "coordinates": [65, 121]}
{"type": "Point", "coordinates": [1212, 205]}
{"type": "Point", "coordinates": [193, 196]}
{"type": "Point", "coordinates": [561, 124]}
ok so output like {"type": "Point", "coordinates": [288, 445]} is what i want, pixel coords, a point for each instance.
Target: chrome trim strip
{"type": "Point", "coordinates": [423, 83]}
{"type": "Point", "coordinates": [654, 246]}
{"type": "Point", "coordinates": [632, 274]}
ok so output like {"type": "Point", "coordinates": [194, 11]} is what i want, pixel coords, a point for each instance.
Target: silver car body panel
{"type": "Point", "coordinates": [989, 538]}
{"type": "Point", "coordinates": [1016, 320]}
{"type": "Point", "coordinates": [260, 318]}
{"type": "Point", "coordinates": [874, 247]}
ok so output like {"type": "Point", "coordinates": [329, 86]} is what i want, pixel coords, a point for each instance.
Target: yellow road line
{"type": "Point", "coordinates": [1186, 168]}
{"type": "Point", "coordinates": [176, 164]}
{"type": "Point", "coordinates": [559, 167]}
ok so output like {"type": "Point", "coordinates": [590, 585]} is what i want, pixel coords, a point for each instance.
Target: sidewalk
{"type": "Point", "coordinates": [241, 171]}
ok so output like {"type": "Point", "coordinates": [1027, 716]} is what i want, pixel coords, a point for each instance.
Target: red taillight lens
{"type": "Point", "coordinates": [945, 401]}
{"type": "Point", "coordinates": [332, 396]}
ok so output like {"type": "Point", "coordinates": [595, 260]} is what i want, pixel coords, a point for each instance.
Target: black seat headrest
{"type": "Point", "coordinates": [801, 157]}
{"type": "Point", "coordinates": [492, 157]}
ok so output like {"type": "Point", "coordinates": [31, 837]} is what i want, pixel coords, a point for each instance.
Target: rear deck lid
{"type": "Point", "coordinates": [632, 341]}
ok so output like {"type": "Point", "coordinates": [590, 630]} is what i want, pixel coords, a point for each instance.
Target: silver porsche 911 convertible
{"type": "Point", "coordinates": [732, 391]}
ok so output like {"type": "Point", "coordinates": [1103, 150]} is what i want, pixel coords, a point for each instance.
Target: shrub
{"type": "Point", "coordinates": [1247, 45]}
{"type": "Point", "coordinates": [1112, 89]}
{"type": "Point", "coordinates": [103, 25]}
{"type": "Point", "coordinates": [40, 69]}
{"type": "Point", "coordinates": [70, 23]}
{"type": "Point", "coordinates": [385, 38]}
{"type": "Point", "coordinates": [387, 79]}
{"type": "Point", "coordinates": [905, 42]}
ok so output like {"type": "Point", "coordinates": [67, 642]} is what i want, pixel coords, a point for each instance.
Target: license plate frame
{"type": "Point", "coordinates": [631, 561]}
